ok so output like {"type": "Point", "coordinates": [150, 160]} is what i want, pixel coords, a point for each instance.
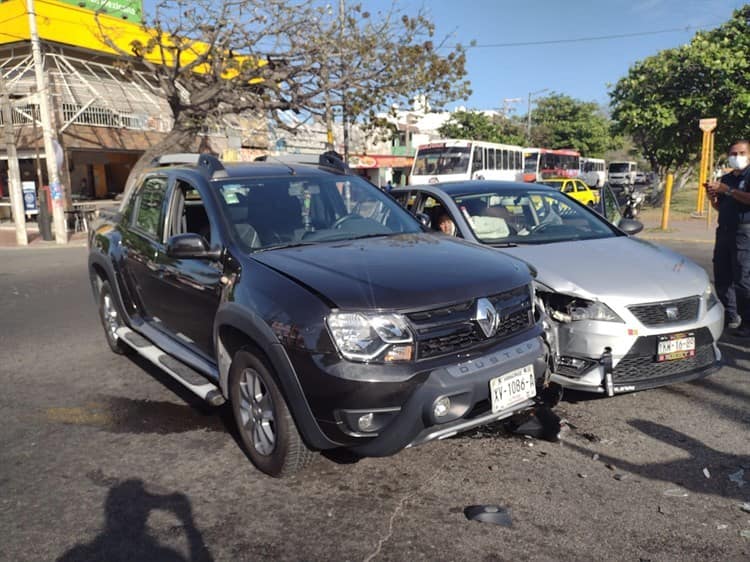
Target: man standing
{"type": "Point", "coordinates": [730, 195]}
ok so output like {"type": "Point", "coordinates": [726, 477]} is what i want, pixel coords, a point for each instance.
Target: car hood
{"type": "Point", "coordinates": [622, 269]}
{"type": "Point", "coordinates": [397, 272]}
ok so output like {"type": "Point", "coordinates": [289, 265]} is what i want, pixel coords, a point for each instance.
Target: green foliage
{"type": "Point", "coordinates": [480, 126]}
{"type": "Point", "coordinates": [661, 100]}
{"type": "Point", "coordinates": [560, 121]}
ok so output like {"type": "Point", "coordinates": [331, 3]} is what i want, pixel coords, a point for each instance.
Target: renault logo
{"type": "Point", "coordinates": [486, 317]}
{"type": "Point", "coordinates": [672, 312]}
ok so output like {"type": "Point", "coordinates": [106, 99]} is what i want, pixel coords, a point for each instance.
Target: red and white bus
{"type": "Point", "coordinates": [543, 163]}
{"type": "Point", "coordinates": [454, 160]}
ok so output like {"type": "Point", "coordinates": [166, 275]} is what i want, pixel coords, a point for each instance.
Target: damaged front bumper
{"type": "Point", "coordinates": [639, 368]}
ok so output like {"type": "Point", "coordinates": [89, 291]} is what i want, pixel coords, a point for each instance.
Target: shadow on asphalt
{"type": "Point", "coordinates": [686, 473]}
{"type": "Point", "coordinates": [126, 535]}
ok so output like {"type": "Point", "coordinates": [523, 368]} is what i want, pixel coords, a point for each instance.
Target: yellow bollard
{"type": "Point", "coordinates": [702, 175]}
{"type": "Point", "coordinates": [667, 201]}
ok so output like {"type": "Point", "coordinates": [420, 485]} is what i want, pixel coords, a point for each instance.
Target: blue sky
{"type": "Point", "coordinates": [581, 69]}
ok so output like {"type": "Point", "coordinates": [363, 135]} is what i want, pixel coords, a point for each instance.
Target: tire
{"type": "Point", "coordinates": [266, 427]}
{"type": "Point", "coordinates": [111, 319]}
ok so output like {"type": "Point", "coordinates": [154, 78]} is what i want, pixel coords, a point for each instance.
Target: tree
{"type": "Point", "coordinates": [211, 58]}
{"type": "Point", "coordinates": [662, 97]}
{"type": "Point", "coordinates": [480, 126]}
{"type": "Point", "coordinates": [564, 122]}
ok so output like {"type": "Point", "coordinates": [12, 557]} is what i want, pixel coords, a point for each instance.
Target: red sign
{"type": "Point", "coordinates": [379, 161]}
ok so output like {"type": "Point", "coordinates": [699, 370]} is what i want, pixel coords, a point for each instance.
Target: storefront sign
{"type": "Point", "coordinates": [379, 161]}
{"type": "Point", "coordinates": [125, 9]}
{"type": "Point", "coordinates": [29, 197]}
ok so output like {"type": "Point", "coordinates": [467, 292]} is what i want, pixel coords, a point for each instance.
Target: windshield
{"type": "Point", "coordinates": [530, 161]}
{"type": "Point", "coordinates": [618, 168]}
{"type": "Point", "coordinates": [530, 217]}
{"type": "Point", "coordinates": [442, 160]}
{"type": "Point", "coordinates": [282, 211]}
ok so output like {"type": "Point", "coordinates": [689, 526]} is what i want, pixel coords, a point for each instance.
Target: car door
{"type": "Point", "coordinates": [582, 192]}
{"type": "Point", "coordinates": [189, 288]}
{"type": "Point", "coordinates": [142, 245]}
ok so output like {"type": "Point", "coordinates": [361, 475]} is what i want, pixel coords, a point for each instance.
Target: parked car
{"type": "Point", "coordinates": [575, 188]}
{"type": "Point", "coordinates": [623, 314]}
{"type": "Point", "coordinates": [317, 306]}
{"type": "Point", "coordinates": [641, 178]}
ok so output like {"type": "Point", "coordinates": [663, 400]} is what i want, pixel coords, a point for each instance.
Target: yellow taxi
{"type": "Point", "coordinates": [575, 188]}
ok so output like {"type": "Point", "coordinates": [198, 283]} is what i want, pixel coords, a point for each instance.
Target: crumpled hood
{"type": "Point", "coordinates": [622, 269]}
{"type": "Point", "coordinates": [397, 272]}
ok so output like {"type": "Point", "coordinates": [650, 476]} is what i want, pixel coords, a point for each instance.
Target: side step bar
{"type": "Point", "coordinates": [189, 378]}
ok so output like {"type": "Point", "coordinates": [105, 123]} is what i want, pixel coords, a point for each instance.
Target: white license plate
{"type": "Point", "coordinates": [675, 346]}
{"type": "Point", "coordinates": [510, 389]}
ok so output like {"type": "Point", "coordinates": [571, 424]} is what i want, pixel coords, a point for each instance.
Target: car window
{"type": "Point", "coordinates": [149, 206]}
{"type": "Point", "coordinates": [530, 217]}
{"type": "Point", "coordinates": [283, 211]}
{"type": "Point", "coordinates": [188, 214]}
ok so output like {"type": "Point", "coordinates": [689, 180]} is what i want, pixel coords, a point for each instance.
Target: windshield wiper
{"type": "Point", "coordinates": [287, 245]}
{"type": "Point", "coordinates": [363, 236]}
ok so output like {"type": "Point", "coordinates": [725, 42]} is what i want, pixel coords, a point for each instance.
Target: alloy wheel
{"type": "Point", "coordinates": [257, 412]}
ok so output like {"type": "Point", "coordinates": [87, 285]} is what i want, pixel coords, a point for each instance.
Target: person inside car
{"type": "Point", "coordinates": [446, 224]}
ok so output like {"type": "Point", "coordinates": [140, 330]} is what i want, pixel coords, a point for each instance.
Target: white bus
{"type": "Point", "coordinates": [593, 171]}
{"type": "Point", "coordinates": [453, 160]}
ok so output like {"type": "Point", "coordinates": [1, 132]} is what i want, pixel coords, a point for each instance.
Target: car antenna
{"type": "Point", "coordinates": [267, 157]}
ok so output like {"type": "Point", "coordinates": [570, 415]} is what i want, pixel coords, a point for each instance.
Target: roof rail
{"type": "Point", "coordinates": [210, 162]}
{"type": "Point", "coordinates": [329, 159]}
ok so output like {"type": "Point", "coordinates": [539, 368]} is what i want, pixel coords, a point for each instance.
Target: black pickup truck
{"type": "Point", "coordinates": [317, 306]}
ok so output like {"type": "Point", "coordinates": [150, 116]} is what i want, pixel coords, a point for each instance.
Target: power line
{"type": "Point", "coordinates": [587, 39]}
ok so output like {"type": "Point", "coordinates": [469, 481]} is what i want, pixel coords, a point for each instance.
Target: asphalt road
{"type": "Point", "coordinates": [103, 458]}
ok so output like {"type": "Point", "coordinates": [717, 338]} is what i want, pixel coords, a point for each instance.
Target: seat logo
{"type": "Point", "coordinates": [672, 312]}
{"type": "Point", "coordinates": [487, 317]}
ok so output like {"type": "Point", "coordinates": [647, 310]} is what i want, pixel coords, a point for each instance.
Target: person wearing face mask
{"type": "Point", "coordinates": [730, 196]}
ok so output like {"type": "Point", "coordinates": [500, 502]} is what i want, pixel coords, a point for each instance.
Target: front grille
{"type": "Point", "coordinates": [640, 362]}
{"type": "Point", "coordinates": [452, 328]}
{"type": "Point", "coordinates": [655, 314]}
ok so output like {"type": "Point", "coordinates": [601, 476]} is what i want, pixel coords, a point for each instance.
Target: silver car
{"type": "Point", "coordinates": [623, 314]}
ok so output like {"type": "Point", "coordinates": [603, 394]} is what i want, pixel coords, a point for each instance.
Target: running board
{"type": "Point", "coordinates": [189, 378]}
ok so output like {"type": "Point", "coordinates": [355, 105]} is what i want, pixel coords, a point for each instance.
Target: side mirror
{"type": "Point", "coordinates": [630, 226]}
{"type": "Point", "coordinates": [424, 219]}
{"type": "Point", "coordinates": [190, 245]}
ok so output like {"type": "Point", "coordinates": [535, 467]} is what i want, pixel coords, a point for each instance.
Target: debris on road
{"type": "Point", "coordinates": [620, 476]}
{"type": "Point", "coordinates": [582, 475]}
{"type": "Point", "coordinates": [738, 478]}
{"type": "Point", "coordinates": [745, 533]}
{"type": "Point", "coordinates": [675, 493]}
{"type": "Point", "coordinates": [489, 514]}
{"type": "Point", "coordinates": [745, 507]}
{"type": "Point", "coordinates": [706, 473]}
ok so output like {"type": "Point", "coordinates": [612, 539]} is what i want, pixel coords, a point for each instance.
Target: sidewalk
{"type": "Point", "coordinates": [681, 227]}
{"type": "Point", "coordinates": [8, 238]}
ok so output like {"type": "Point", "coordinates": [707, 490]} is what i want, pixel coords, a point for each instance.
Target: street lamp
{"type": "Point", "coordinates": [528, 117]}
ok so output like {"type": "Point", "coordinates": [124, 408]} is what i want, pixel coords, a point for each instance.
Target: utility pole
{"type": "Point", "coordinates": [507, 105]}
{"type": "Point", "coordinates": [14, 173]}
{"type": "Point", "coordinates": [55, 187]}
{"type": "Point", "coordinates": [345, 116]}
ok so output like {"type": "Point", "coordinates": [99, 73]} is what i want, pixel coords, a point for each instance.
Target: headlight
{"type": "Point", "coordinates": [361, 336]}
{"type": "Point", "coordinates": [710, 297]}
{"type": "Point", "coordinates": [582, 309]}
